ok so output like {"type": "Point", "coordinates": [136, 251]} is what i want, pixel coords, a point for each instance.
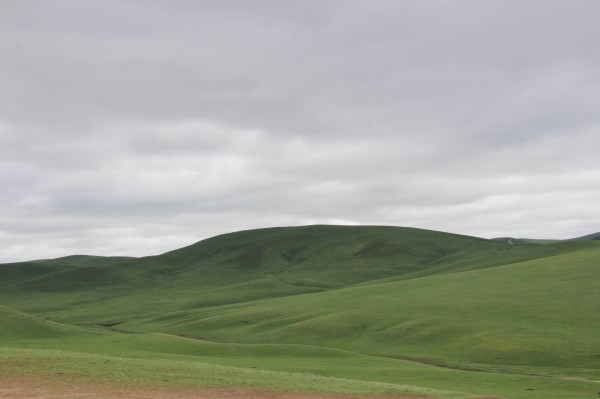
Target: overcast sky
{"type": "Point", "coordinates": [136, 127]}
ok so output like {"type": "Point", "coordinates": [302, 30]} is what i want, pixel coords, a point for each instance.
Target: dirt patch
{"type": "Point", "coordinates": [18, 389]}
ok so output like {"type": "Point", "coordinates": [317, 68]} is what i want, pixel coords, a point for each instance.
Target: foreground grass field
{"type": "Point", "coordinates": [167, 362]}
{"type": "Point", "coordinates": [180, 372]}
{"type": "Point", "coordinates": [360, 310]}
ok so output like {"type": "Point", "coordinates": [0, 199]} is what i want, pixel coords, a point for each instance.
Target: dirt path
{"type": "Point", "coordinates": [22, 390]}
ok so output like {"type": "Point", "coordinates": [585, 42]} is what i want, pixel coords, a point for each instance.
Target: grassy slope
{"type": "Point", "coordinates": [456, 300]}
{"type": "Point", "coordinates": [255, 264]}
{"type": "Point", "coordinates": [42, 273]}
{"type": "Point", "coordinates": [534, 313]}
{"type": "Point", "coordinates": [17, 325]}
{"type": "Point", "coordinates": [42, 350]}
{"type": "Point", "coordinates": [234, 268]}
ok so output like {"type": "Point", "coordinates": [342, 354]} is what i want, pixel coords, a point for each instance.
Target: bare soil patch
{"type": "Point", "coordinates": [18, 389]}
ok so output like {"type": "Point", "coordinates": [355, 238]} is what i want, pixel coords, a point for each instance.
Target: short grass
{"type": "Point", "coordinates": [67, 368]}
{"type": "Point", "coordinates": [169, 362]}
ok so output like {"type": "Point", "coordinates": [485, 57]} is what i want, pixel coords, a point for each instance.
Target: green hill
{"type": "Point", "coordinates": [249, 265]}
{"type": "Point", "coordinates": [490, 313]}
{"type": "Point", "coordinates": [540, 313]}
{"type": "Point", "coordinates": [594, 236]}
{"type": "Point", "coordinates": [16, 273]}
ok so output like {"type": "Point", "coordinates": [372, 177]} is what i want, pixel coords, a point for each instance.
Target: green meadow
{"type": "Point", "coordinates": [363, 310]}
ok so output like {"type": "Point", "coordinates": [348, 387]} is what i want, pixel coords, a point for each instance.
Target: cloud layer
{"type": "Point", "coordinates": [135, 127]}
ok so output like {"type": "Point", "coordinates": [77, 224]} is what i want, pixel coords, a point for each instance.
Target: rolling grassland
{"type": "Point", "coordinates": [329, 309]}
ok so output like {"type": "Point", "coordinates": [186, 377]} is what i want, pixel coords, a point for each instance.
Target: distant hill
{"type": "Point", "coordinates": [14, 273]}
{"type": "Point", "coordinates": [594, 236]}
{"type": "Point", "coordinates": [512, 240]}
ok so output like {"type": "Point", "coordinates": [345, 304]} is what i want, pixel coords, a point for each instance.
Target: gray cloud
{"type": "Point", "coordinates": [134, 127]}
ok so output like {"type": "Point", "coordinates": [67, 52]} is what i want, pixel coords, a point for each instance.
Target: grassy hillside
{"type": "Point", "coordinates": [251, 265]}
{"type": "Point", "coordinates": [233, 268]}
{"type": "Point", "coordinates": [17, 325]}
{"type": "Point", "coordinates": [379, 304]}
{"type": "Point", "coordinates": [30, 272]}
{"type": "Point", "coordinates": [535, 313]}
